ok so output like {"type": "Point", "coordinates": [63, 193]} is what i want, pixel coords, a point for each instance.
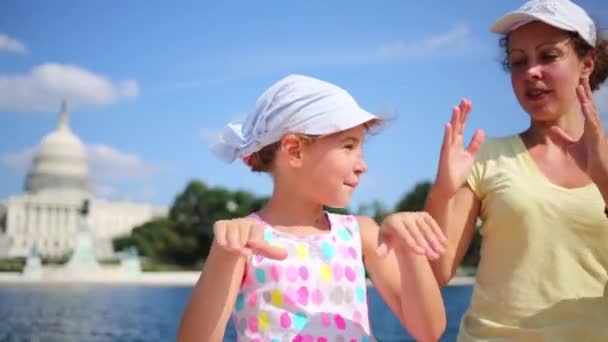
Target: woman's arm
{"type": "Point", "coordinates": [457, 216]}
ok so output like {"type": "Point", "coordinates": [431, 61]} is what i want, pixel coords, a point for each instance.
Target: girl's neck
{"type": "Point", "coordinates": [288, 209]}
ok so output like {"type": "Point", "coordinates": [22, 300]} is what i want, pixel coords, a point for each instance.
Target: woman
{"type": "Point", "coordinates": [541, 194]}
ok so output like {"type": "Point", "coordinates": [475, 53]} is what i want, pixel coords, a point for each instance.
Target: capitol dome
{"type": "Point", "coordinates": [60, 161]}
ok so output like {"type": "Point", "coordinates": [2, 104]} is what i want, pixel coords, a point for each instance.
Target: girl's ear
{"type": "Point", "coordinates": [292, 149]}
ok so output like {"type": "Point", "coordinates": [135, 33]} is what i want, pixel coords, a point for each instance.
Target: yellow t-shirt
{"type": "Point", "coordinates": [543, 272]}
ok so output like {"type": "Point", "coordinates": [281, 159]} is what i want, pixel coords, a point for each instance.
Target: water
{"type": "Point", "coordinates": [132, 313]}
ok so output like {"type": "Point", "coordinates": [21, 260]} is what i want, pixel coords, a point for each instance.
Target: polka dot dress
{"type": "Point", "coordinates": [317, 294]}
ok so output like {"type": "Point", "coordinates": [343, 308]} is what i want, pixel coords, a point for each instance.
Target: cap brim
{"type": "Point", "coordinates": [362, 117]}
{"type": "Point", "coordinates": [513, 20]}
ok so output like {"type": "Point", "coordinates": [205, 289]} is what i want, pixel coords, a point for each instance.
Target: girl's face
{"type": "Point", "coordinates": [545, 70]}
{"type": "Point", "coordinates": [332, 166]}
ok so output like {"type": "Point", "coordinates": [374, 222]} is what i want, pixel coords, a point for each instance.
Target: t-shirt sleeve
{"type": "Point", "coordinates": [477, 175]}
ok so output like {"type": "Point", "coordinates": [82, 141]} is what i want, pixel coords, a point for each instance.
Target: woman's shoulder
{"type": "Point", "coordinates": [497, 146]}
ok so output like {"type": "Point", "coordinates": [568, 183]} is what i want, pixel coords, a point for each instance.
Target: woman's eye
{"type": "Point", "coordinates": [517, 63]}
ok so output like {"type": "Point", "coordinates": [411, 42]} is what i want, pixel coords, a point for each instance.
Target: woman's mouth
{"type": "Point", "coordinates": [537, 94]}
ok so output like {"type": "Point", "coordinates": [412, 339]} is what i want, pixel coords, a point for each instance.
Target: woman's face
{"type": "Point", "coordinates": [545, 70]}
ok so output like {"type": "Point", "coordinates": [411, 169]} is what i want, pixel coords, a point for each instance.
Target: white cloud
{"type": "Point", "coordinates": [456, 38]}
{"type": "Point", "coordinates": [209, 135]}
{"type": "Point", "coordinates": [18, 162]}
{"type": "Point", "coordinates": [105, 191]}
{"type": "Point", "coordinates": [47, 84]}
{"type": "Point", "coordinates": [147, 194]}
{"type": "Point", "coordinates": [11, 45]}
{"type": "Point", "coordinates": [231, 68]}
{"type": "Point", "coordinates": [109, 164]}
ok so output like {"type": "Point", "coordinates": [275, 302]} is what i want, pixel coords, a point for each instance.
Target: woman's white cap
{"type": "Point", "coordinates": [294, 104]}
{"type": "Point", "coordinates": [562, 14]}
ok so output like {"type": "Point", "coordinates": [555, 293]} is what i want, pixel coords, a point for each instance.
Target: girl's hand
{"type": "Point", "coordinates": [245, 236]}
{"type": "Point", "coordinates": [416, 232]}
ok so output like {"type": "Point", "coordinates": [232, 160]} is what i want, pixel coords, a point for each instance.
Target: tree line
{"type": "Point", "coordinates": [184, 237]}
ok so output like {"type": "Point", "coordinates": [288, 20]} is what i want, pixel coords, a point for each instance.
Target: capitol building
{"type": "Point", "coordinates": [45, 217]}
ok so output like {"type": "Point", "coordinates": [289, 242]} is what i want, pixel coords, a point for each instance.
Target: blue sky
{"type": "Point", "coordinates": [150, 84]}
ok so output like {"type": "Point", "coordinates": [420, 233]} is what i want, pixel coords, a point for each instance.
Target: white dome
{"type": "Point", "coordinates": [60, 162]}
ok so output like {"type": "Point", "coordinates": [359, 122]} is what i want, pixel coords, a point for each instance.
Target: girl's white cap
{"type": "Point", "coordinates": [563, 14]}
{"type": "Point", "coordinates": [294, 104]}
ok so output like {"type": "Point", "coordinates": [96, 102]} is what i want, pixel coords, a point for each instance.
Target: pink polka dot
{"type": "Point", "coordinates": [248, 279]}
{"type": "Point", "coordinates": [350, 273]}
{"type": "Point", "coordinates": [253, 324]}
{"type": "Point", "coordinates": [337, 272]}
{"type": "Point", "coordinates": [357, 317]}
{"type": "Point", "coordinates": [258, 340]}
{"type": "Point", "coordinates": [275, 272]}
{"type": "Point", "coordinates": [303, 295]}
{"type": "Point", "coordinates": [325, 320]}
{"type": "Point", "coordinates": [353, 252]}
{"type": "Point", "coordinates": [308, 338]}
{"type": "Point", "coordinates": [303, 272]}
{"type": "Point", "coordinates": [298, 338]}
{"type": "Point", "coordinates": [291, 273]}
{"type": "Point", "coordinates": [322, 339]}
{"type": "Point", "coordinates": [258, 258]}
{"type": "Point", "coordinates": [317, 297]}
{"type": "Point", "coordinates": [285, 320]}
{"type": "Point", "coordinates": [344, 251]}
{"type": "Point", "coordinates": [252, 299]}
{"type": "Point", "coordinates": [291, 296]}
{"type": "Point", "coordinates": [340, 323]}
{"type": "Point", "coordinates": [353, 340]}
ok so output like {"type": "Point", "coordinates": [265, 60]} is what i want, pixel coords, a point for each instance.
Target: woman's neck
{"type": "Point", "coordinates": [286, 208]}
{"type": "Point", "coordinates": [539, 132]}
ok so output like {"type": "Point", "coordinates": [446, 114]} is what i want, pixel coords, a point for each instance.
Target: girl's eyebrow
{"type": "Point", "coordinates": [350, 139]}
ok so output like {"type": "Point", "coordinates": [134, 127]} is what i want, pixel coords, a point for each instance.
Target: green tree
{"type": "Point", "coordinates": [415, 200]}
{"type": "Point", "coordinates": [376, 210]}
{"type": "Point", "coordinates": [185, 236]}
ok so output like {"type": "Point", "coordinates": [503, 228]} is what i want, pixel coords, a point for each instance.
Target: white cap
{"type": "Point", "coordinates": [295, 104]}
{"type": "Point", "coordinates": [562, 14]}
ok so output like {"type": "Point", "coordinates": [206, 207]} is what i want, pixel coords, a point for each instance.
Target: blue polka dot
{"type": "Point", "coordinates": [276, 340]}
{"type": "Point", "coordinates": [366, 339]}
{"type": "Point", "coordinates": [344, 234]}
{"type": "Point", "coordinates": [260, 276]}
{"type": "Point", "coordinates": [267, 235]}
{"type": "Point", "coordinates": [300, 320]}
{"type": "Point", "coordinates": [327, 250]}
{"type": "Point", "coordinates": [360, 291]}
{"type": "Point", "coordinates": [240, 302]}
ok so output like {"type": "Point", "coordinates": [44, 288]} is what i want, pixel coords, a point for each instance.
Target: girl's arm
{"type": "Point", "coordinates": [406, 283]}
{"type": "Point", "coordinates": [213, 297]}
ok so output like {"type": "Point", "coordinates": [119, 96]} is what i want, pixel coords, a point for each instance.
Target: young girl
{"type": "Point", "coordinates": [541, 193]}
{"type": "Point", "coordinates": [293, 272]}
